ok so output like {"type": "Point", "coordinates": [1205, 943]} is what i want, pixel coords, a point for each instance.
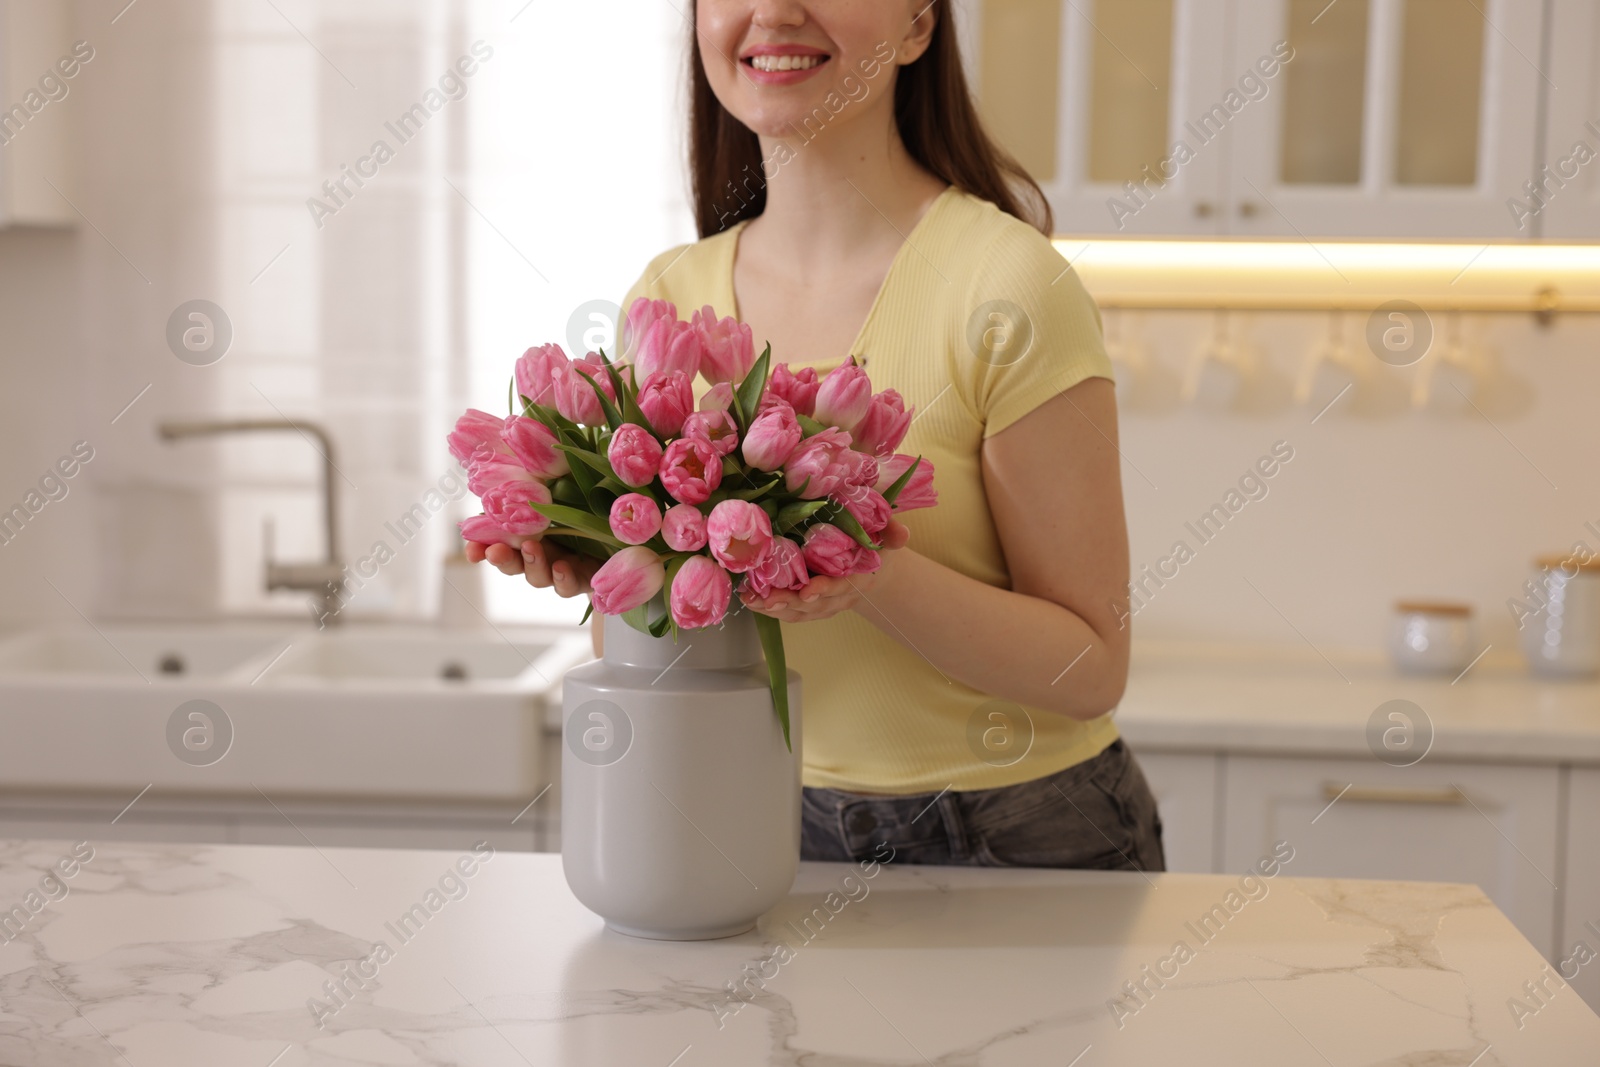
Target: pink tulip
{"type": "Point", "coordinates": [537, 371]}
{"type": "Point", "coordinates": [918, 492]}
{"type": "Point", "coordinates": [483, 530]}
{"type": "Point", "coordinates": [683, 527]}
{"type": "Point", "coordinates": [691, 470]}
{"type": "Point", "coordinates": [508, 505]}
{"type": "Point", "coordinates": [783, 568]}
{"type": "Point", "coordinates": [718, 398]}
{"type": "Point", "coordinates": [727, 350]}
{"type": "Point", "coordinates": [489, 468]}
{"type": "Point", "coordinates": [473, 429]}
{"type": "Point", "coordinates": [701, 591]}
{"type": "Point", "coordinates": [884, 426]}
{"type": "Point", "coordinates": [666, 400]}
{"type": "Point", "coordinates": [843, 397]}
{"type": "Point", "coordinates": [798, 389]}
{"type": "Point", "coordinates": [641, 316]}
{"type": "Point", "coordinates": [860, 468]}
{"type": "Point", "coordinates": [772, 437]}
{"type": "Point", "coordinates": [534, 445]}
{"type": "Point", "coordinates": [575, 397]}
{"type": "Point", "coordinates": [668, 345]}
{"type": "Point", "coordinates": [635, 518]}
{"type": "Point", "coordinates": [739, 534]}
{"type": "Point", "coordinates": [626, 580]}
{"type": "Point", "coordinates": [868, 507]}
{"type": "Point", "coordinates": [818, 466]}
{"type": "Point", "coordinates": [716, 427]}
{"type": "Point", "coordinates": [829, 550]}
{"type": "Point", "coordinates": [635, 454]}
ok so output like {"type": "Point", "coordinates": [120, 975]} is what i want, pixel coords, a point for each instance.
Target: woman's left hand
{"type": "Point", "coordinates": [824, 596]}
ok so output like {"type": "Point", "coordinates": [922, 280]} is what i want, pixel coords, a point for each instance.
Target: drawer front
{"type": "Point", "coordinates": [1185, 786]}
{"type": "Point", "coordinates": [1495, 827]}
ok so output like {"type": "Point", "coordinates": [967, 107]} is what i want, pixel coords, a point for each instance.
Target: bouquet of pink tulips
{"type": "Point", "coordinates": [773, 477]}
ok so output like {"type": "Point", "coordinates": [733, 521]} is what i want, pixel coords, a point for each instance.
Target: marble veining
{"type": "Point", "coordinates": [162, 955]}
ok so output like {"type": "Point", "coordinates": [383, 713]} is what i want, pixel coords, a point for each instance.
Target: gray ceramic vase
{"type": "Point", "coordinates": [680, 804]}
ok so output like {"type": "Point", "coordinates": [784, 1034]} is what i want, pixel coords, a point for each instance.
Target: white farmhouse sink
{"type": "Point", "coordinates": [366, 711]}
{"type": "Point", "coordinates": [449, 660]}
{"type": "Point", "coordinates": [134, 653]}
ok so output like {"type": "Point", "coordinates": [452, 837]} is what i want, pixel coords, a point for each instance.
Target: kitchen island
{"type": "Point", "coordinates": [172, 955]}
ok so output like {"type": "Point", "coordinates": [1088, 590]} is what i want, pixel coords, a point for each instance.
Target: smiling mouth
{"type": "Point", "coordinates": [777, 64]}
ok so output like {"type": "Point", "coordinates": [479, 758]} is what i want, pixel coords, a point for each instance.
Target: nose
{"type": "Point", "coordinates": [778, 14]}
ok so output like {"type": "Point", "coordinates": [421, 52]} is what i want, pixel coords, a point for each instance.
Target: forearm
{"type": "Point", "coordinates": [1015, 646]}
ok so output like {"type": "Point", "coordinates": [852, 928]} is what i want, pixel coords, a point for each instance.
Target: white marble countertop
{"type": "Point", "coordinates": [1198, 698]}
{"type": "Point", "coordinates": [177, 955]}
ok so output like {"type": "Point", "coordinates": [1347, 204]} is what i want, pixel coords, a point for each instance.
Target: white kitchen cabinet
{"type": "Point", "coordinates": [1581, 904]}
{"type": "Point", "coordinates": [1568, 194]}
{"type": "Point", "coordinates": [36, 49]}
{"type": "Point", "coordinates": [1185, 785]}
{"type": "Point", "coordinates": [1492, 826]}
{"type": "Point", "coordinates": [1391, 119]}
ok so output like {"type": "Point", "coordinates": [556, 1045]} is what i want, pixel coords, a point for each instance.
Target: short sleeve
{"type": "Point", "coordinates": [1032, 330]}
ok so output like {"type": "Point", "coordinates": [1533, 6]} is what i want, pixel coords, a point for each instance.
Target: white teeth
{"type": "Point", "coordinates": [778, 63]}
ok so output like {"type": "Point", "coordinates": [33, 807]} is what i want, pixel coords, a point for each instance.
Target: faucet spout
{"type": "Point", "coordinates": [324, 579]}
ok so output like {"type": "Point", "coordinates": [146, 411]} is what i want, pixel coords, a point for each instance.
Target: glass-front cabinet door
{"type": "Point", "coordinates": [1087, 95]}
{"type": "Point", "coordinates": [1394, 118]}
{"type": "Point", "coordinates": [1565, 200]}
{"type": "Point", "coordinates": [1346, 118]}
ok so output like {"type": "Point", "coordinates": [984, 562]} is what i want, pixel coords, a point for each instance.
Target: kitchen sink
{"type": "Point", "coordinates": [363, 711]}
{"type": "Point", "coordinates": [134, 653]}
{"type": "Point", "coordinates": [448, 660]}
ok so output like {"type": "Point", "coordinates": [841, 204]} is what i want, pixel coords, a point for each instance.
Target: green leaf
{"type": "Point", "coordinates": [511, 395]}
{"type": "Point", "coordinates": [578, 519]}
{"type": "Point", "coordinates": [771, 633]}
{"type": "Point", "coordinates": [564, 490]}
{"type": "Point", "coordinates": [577, 541]}
{"type": "Point", "coordinates": [809, 427]}
{"type": "Point", "coordinates": [638, 618]}
{"type": "Point", "coordinates": [585, 479]}
{"type": "Point", "coordinates": [613, 416]}
{"type": "Point", "coordinates": [900, 483]}
{"type": "Point", "coordinates": [660, 626]}
{"type": "Point", "coordinates": [611, 372]}
{"type": "Point", "coordinates": [842, 518]}
{"type": "Point", "coordinates": [791, 516]}
{"type": "Point", "coordinates": [588, 611]}
{"type": "Point", "coordinates": [594, 460]}
{"type": "Point", "coordinates": [747, 397]}
{"type": "Point", "coordinates": [759, 491]}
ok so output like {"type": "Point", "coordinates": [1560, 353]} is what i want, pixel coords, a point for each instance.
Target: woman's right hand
{"type": "Point", "coordinates": [544, 565]}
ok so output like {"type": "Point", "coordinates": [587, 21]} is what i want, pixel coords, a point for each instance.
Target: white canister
{"type": "Point", "coordinates": [1561, 637]}
{"type": "Point", "coordinates": [1432, 637]}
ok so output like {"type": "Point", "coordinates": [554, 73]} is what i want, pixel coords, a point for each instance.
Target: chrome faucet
{"type": "Point", "coordinates": [324, 580]}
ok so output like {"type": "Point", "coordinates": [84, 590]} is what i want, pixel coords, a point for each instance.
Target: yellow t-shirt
{"type": "Point", "coordinates": [878, 717]}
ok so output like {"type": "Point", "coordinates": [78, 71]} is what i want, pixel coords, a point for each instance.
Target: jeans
{"type": "Point", "coordinates": [1098, 814]}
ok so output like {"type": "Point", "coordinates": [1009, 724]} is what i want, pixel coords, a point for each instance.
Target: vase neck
{"type": "Point", "coordinates": [732, 645]}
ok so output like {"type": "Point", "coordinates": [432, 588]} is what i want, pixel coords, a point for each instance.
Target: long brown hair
{"type": "Point", "coordinates": [933, 113]}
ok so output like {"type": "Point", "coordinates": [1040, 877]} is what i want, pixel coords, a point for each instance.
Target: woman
{"type": "Point", "coordinates": [849, 203]}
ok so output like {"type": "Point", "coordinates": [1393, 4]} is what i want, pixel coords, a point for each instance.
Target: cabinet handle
{"type": "Point", "coordinates": [1377, 794]}
{"type": "Point", "coordinates": [1248, 209]}
{"type": "Point", "coordinates": [1203, 209]}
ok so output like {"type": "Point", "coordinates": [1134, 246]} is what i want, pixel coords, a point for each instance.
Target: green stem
{"type": "Point", "coordinates": [777, 669]}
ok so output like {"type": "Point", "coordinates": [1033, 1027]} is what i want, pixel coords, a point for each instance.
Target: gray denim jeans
{"type": "Point", "coordinates": [1098, 814]}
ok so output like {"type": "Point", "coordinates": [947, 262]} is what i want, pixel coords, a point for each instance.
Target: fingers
{"type": "Point", "coordinates": [504, 558]}
{"type": "Point", "coordinates": [895, 535]}
{"type": "Point", "coordinates": [536, 564]}
{"type": "Point", "coordinates": [474, 552]}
